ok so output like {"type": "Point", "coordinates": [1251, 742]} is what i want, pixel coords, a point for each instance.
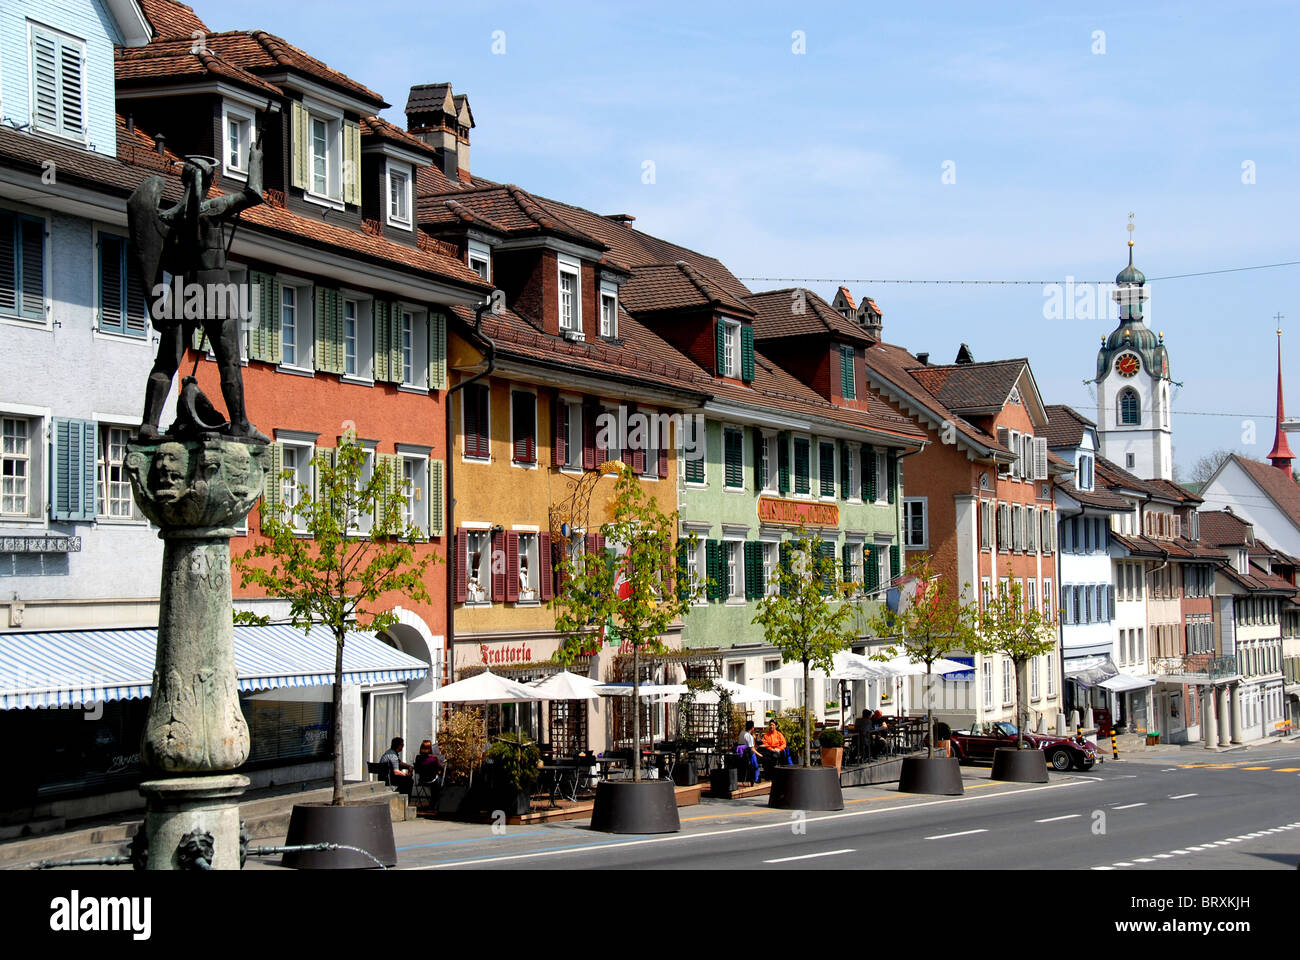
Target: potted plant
{"type": "Point", "coordinates": [832, 744]}
{"type": "Point", "coordinates": [942, 737]}
{"type": "Point", "coordinates": [462, 742]}
{"type": "Point", "coordinates": [515, 769]}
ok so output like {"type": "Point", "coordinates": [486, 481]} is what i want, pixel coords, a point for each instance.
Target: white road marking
{"type": "Point", "coordinates": [1184, 796]}
{"type": "Point", "coordinates": [1068, 816]}
{"type": "Point", "coordinates": [964, 833]}
{"type": "Point", "coordinates": [1130, 806]}
{"type": "Point", "coordinates": [809, 856]}
{"type": "Point", "coordinates": [1145, 860]}
{"type": "Point", "coordinates": [1103, 868]}
{"type": "Point", "coordinates": [1164, 856]}
{"type": "Point", "coordinates": [1123, 863]}
{"type": "Point", "coordinates": [1181, 852]}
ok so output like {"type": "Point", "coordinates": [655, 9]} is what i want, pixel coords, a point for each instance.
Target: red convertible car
{"type": "Point", "coordinates": [979, 742]}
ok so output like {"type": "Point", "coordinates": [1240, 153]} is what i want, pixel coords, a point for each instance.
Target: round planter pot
{"type": "Point", "coordinates": [368, 826]}
{"type": "Point", "coordinates": [941, 776]}
{"type": "Point", "coordinates": [625, 806]}
{"type": "Point", "coordinates": [1019, 766]}
{"type": "Point", "coordinates": [805, 788]}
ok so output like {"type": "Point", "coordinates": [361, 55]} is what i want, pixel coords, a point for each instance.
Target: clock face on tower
{"type": "Point", "coordinates": [1126, 365]}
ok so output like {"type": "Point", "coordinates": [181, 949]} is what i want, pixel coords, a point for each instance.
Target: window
{"type": "Point", "coordinates": [850, 467]}
{"type": "Point", "coordinates": [475, 424]}
{"type": "Point", "coordinates": [735, 569]}
{"type": "Point", "coordinates": [1017, 528]}
{"type": "Point", "coordinates": [729, 341]}
{"type": "Point", "coordinates": [523, 427]}
{"type": "Point", "coordinates": [826, 469]}
{"type": "Point", "coordinates": [694, 453]}
{"type": "Point", "coordinates": [58, 83]}
{"type": "Point", "coordinates": [358, 340]}
{"type": "Point", "coordinates": [237, 126]}
{"type": "Point", "coordinates": [295, 326]}
{"type": "Point", "coordinates": [22, 266]}
{"type": "Point", "coordinates": [568, 434]}
{"type": "Point", "coordinates": [529, 567]}
{"type": "Point", "coordinates": [1130, 407]}
{"type": "Point", "coordinates": [1047, 599]}
{"type": "Point", "coordinates": [986, 592]}
{"type": "Point", "coordinates": [570, 294]}
{"type": "Point", "coordinates": [1034, 693]}
{"type": "Point", "coordinates": [608, 310]}
{"type": "Point", "coordinates": [848, 381]}
{"type": "Point", "coordinates": [297, 460]}
{"type": "Point", "coordinates": [1007, 687]}
{"type": "Point", "coordinates": [16, 466]}
{"type": "Point", "coordinates": [986, 672]}
{"type": "Point", "coordinates": [478, 566]}
{"type": "Point", "coordinates": [115, 500]}
{"type": "Point", "coordinates": [121, 301]}
{"type": "Point", "coordinates": [916, 533]}
{"type": "Point", "coordinates": [771, 559]}
{"type": "Point", "coordinates": [325, 150]}
{"type": "Point", "coordinates": [1085, 473]}
{"type": "Point", "coordinates": [770, 685]}
{"type": "Point", "coordinates": [399, 194]}
{"type": "Point", "coordinates": [480, 259]}
{"type": "Point", "coordinates": [762, 460]}
{"type": "Point", "coordinates": [801, 465]}
{"type": "Point", "coordinates": [986, 525]}
{"type": "Point", "coordinates": [1051, 677]}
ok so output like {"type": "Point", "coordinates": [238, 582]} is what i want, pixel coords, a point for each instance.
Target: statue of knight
{"type": "Point", "coordinates": [188, 242]}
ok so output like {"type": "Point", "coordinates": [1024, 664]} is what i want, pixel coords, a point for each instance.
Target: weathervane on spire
{"type": "Point", "coordinates": [1130, 228]}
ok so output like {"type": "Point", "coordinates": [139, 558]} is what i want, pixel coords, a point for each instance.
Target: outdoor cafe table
{"type": "Point", "coordinates": [557, 775]}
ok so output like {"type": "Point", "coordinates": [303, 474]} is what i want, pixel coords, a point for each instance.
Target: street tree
{"type": "Point", "coordinates": [1007, 628]}
{"type": "Point", "coordinates": [805, 617]}
{"type": "Point", "coordinates": [631, 598]}
{"type": "Point", "coordinates": [340, 553]}
{"type": "Point", "coordinates": [929, 623]}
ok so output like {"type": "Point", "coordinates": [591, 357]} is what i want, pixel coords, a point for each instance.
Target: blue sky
{"type": "Point", "coordinates": [828, 164]}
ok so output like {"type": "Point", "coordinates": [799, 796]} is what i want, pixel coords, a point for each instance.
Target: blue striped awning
{"type": "Point", "coordinates": [71, 668]}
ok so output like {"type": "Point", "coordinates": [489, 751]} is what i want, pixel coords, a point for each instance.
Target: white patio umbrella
{"type": "Point", "coordinates": [647, 689]}
{"type": "Point", "coordinates": [566, 686]}
{"type": "Point", "coordinates": [742, 695]}
{"type": "Point", "coordinates": [845, 665]}
{"type": "Point", "coordinates": [485, 687]}
{"type": "Point", "coordinates": [904, 666]}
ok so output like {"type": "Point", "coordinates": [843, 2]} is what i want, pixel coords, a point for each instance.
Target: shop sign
{"type": "Point", "coordinates": [798, 512]}
{"type": "Point", "coordinates": [494, 654]}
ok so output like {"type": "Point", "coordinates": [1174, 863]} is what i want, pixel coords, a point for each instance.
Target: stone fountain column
{"type": "Point", "coordinates": [195, 737]}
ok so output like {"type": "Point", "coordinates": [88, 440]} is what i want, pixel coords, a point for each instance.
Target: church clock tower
{"type": "Point", "coordinates": [1133, 386]}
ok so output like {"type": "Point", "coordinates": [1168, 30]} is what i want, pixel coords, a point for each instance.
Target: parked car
{"type": "Point", "coordinates": [979, 742]}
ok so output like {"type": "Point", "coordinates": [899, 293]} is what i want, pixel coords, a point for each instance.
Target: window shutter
{"type": "Point", "coordinates": [70, 93]}
{"type": "Point", "coordinates": [711, 564]}
{"type": "Point", "coordinates": [589, 411]}
{"type": "Point", "coordinates": [560, 432]}
{"type": "Point", "coordinates": [828, 567]}
{"type": "Point", "coordinates": [984, 525]}
{"type": "Point", "coordinates": [499, 562]}
{"type": "Point", "coordinates": [110, 283]}
{"type": "Point", "coordinates": [683, 571]}
{"type": "Point", "coordinates": [135, 305]}
{"type": "Point", "coordinates": [783, 462]}
{"type": "Point", "coordinates": [663, 456]}
{"type": "Point", "coordinates": [437, 349]}
{"type": "Point", "coordinates": [462, 565]}
{"type": "Point", "coordinates": [73, 496]}
{"type": "Point", "coordinates": [868, 474]}
{"type": "Point", "coordinates": [756, 438]}
{"type": "Point", "coordinates": [31, 267]}
{"type": "Point", "coordinates": [436, 515]}
{"type": "Point", "coordinates": [846, 561]}
{"type": "Point", "coordinates": [891, 475]}
{"type": "Point", "coordinates": [871, 567]}
{"type": "Point", "coordinates": [300, 158]}
{"type": "Point", "coordinates": [721, 345]}
{"type": "Point", "coordinates": [273, 492]}
{"type": "Point", "coordinates": [45, 99]}
{"type": "Point", "coordinates": [9, 293]}
{"type": "Point", "coordinates": [382, 321]}
{"type": "Point", "coordinates": [753, 570]}
{"type": "Point", "coordinates": [845, 492]}
{"type": "Point", "coordinates": [1110, 601]}
{"type": "Point", "coordinates": [352, 163]}
{"type": "Point", "coordinates": [895, 561]}
{"type": "Point", "coordinates": [735, 473]}
{"type": "Point", "coordinates": [545, 567]}
{"type": "Point", "coordinates": [1040, 458]}
{"type": "Point", "coordinates": [746, 353]}
{"type": "Point", "coordinates": [1031, 529]}
{"type": "Point", "coordinates": [265, 344]}
{"type": "Point", "coordinates": [323, 330]}
{"type": "Point", "coordinates": [724, 570]}
{"type": "Point", "coordinates": [637, 451]}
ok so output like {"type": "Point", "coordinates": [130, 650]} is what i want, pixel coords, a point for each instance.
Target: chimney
{"type": "Point", "coordinates": [443, 121]}
{"type": "Point", "coordinates": [924, 358]}
{"type": "Point", "coordinates": [620, 217]}
{"type": "Point", "coordinates": [160, 142]}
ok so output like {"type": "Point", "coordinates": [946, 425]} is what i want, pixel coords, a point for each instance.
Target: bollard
{"type": "Point", "coordinates": [1114, 746]}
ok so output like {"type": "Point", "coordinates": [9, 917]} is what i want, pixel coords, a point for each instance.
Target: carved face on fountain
{"type": "Point", "coordinates": [238, 468]}
{"type": "Point", "coordinates": [169, 473]}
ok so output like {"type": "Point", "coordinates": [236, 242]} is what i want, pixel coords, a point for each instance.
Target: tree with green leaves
{"type": "Point", "coordinates": [632, 598]}
{"type": "Point", "coordinates": [929, 623]}
{"type": "Point", "coordinates": [805, 617]}
{"type": "Point", "coordinates": [338, 553]}
{"type": "Point", "coordinates": [1007, 628]}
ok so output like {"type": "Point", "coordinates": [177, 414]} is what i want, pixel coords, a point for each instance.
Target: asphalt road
{"type": "Point", "coordinates": [1183, 811]}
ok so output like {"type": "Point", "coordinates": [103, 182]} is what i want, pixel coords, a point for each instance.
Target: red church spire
{"type": "Point", "coordinates": [1281, 454]}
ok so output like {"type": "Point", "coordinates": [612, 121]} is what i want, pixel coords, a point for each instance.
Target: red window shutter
{"type": "Point", "coordinates": [637, 453]}
{"type": "Point", "coordinates": [589, 461]}
{"type": "Point", "coordinates": [512, 566]}
{"type": "Point", "coordinates": [561, 420]}
{"type": "Point", "coordinates": [462, 565]}
{"type": "Point", "coordinates": [600, 542]}
{"type": "Point", "coordinates": [663, 456]}
{"type": "Point", "coordinates": [546, 567]}
{"type": "Point", "coordinates": [591, 539]}
{"type": "Point", "coordinates": [498, 562]}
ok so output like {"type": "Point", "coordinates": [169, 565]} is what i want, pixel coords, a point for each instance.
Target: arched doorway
{"type": "Point", "coordinates": [412, 636]}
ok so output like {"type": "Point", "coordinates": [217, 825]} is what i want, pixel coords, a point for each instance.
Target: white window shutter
{"type": "Point", "coordinates": [1040, 458]}
{"type": "Point", "coordinates": [45, 81]}
{"type": "Point", "coordinates": [1004, 438]}
{"type": "Point", "coordinates": [70, 93]}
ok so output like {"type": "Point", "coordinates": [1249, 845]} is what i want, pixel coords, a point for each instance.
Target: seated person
{"type": "Point", "coordinates": [773, 747]}
{"type": "Point", "coordinates": [400, 776]}
{"type": "Point", "coordinates": [748, 749]}
{"type": "Point", "coordinates": [878, 726]}
{"type": "Point", "coordinates": [428, 762]}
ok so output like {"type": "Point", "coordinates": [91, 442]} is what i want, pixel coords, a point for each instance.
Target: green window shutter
{"type": "Point", "coordinates": [733, 443]}
{"type": "Point", "coordinates": [826, 469]}
{"type": "Point", "coordinates": [753, 570]}
{"type": "Point", "coordinates": [683, 571]}
{"type": "Point", "coordinates": [783, 462]}
{"type": "Point", "coordinates": [760, 480]}
{"type": "Point", "coordinates": [846, 561]}
{"type": "Point", "coordinates": [724, 570]}
{"type": "Point", "coordinates": [891, 475]}
{"type": "Point", "coordinates": [322, 328]}
{"type": "Point", "coordinates": [383, 323]}
{"type": "Point", "coordinates": [895, 561]}
{"type": "Point", "coordinates": [300, 158]}
{"type": "Point", "coordinates": [712, 551]}
{"type": "Point", "coordinates": [871, 573]}
{"type": "Point", "coordinates": [436, 515]}
{"type": "Point", "coordinates": [695, 463]}
{"type": "Point", "coordinates": [265, 344]}
{"type": "Point", "coordinates": [273, 491]}
{"type": "Point", "coordinates": [848, 378]}
{"type": "Point", "coordinates": [802, 480]}
{"type": "Point", "coordinates": [73, 478]}
{"type": "Point", "coordinates": [437, 350]}
{"type": "Point", "coordinates": [845, 492]}
{"type": "Point", "coordinates": [720, 365]}
{"type": "Point", "coordinates": [327, 455]}
{"type": "Point", "coordinates": [828, 567]}
{"type": "Point", "coordinates": [869, 484]}
{"type": "Point", "coordinates": [352, 163]}
{"type": "Point", "coordinates": [784, 552]}
{"type": "Point", "coordinates": [747, 353]}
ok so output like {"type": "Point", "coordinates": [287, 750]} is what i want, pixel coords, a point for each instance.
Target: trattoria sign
{"type": "Point", "coordinates": [498, 653]}
{"type": "Point", "coordinates": [798, 512]}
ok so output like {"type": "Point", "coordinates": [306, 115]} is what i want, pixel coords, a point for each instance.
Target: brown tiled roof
{"type": "Point", "coordinates": [779, 316]}
{"type": "Point", "coordinates": [1174, 491]}
{"type": "Point", "coordinates": [1114, 476]}
{"type": "Point", "coordinates": [508, 208]}
{"type": "Point", "coordinates": [971, 386]}
{"type": "Point", "coordinates": [1277, 484]}
{"type": "Point", "coordinates": [425, 97]}
{"type": "Point", "coordinates": [381, 129]}
{"type": "Point", "coordinates": [1065, 426]}
{"type": "Point", "coordinates": [666, 287]}
{"type": "Point", "coordinates": [168, 18]}
{"type": "Point", "coordinates": [1222, 529]}
{"type": "Point", "coordinates": [1094, 498]}
{"type": "Point", "coordinates": [158, 61]}
{"type": "Point", "coordinates": [431, 180]}
{"type": "Point", "coordinates": [1258, 580]}
{"type": "Point", "coordinates": [256, 51]}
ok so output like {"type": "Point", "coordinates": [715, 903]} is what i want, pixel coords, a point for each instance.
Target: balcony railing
{"type": "Point", "coordinates": [1195, 665]}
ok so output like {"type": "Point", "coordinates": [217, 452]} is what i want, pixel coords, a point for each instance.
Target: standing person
{"type": "Point", "coordinates": [400, 776]}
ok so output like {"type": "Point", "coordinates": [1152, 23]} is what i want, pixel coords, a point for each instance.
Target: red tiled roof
{"type": "Point", "coordinates": [168, 18]}
{"type": "Point", "coordinates": [666, 287]}
{"type": "Point", "coordinates": [166, 61]}
{"type": "Point", "coordinates": [381, 129]}
{"type": "Point", "coordinates": [507, 208]}
{"type": "Point", "coordinates": [848, 298]}
{"type": "Point", "coordinates": [1276, 484]}
{"type": "Point", "coordinates": [1065, 426]}
{"type": "Point", "coordinates": [256, 51]}
{"type": "Point", "coordinates": [431, 180]}
{"type": "Point", "coordinates": [971, 386]}
{"type": "Point", "coordinates": [1173, 491]}
{"type": "Point", "coordinates": [1222, 529]}
{"type": "Point", "coordinates": [798, 312]}
{"type": "Point", "coordinates": [1094, 498]}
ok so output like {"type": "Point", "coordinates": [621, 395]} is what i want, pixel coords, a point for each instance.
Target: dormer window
{"type": "Point", "coordinates": [399, 194]}
{"type": "Point", "coordinates": [1085, 473]}
{"type": "Point", "coordinates": [729, 338]}
{"type": "Point", "coordinates": [480, 259]}
{"type": "Point", "coordinates": [324, 157]}
{"type": "Point", "coordinates": [326, 161]}
{"type": "Point", "coordinates": [58, 75]}
{"type": "Point", "coordinates": [570, 294]}
{"type": "Point", "coordinates": [237, 124]}
{"type": "Point", "coordinates": [608, 310]}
